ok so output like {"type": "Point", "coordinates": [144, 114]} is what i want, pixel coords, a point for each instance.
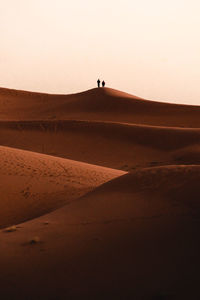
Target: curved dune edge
{"type": "Point", "coordinates": [32, 184]}
{"type": "Point", "coordinates": [137, 235]}
{"type": "Point", "coordinates": [96, 104]}
{"type": "Point", "coordinates": [114, 145]}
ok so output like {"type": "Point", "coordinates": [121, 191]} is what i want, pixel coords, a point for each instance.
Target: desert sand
{"type": "Point", "coordinates": [99, 197]}
{"type": "Point", "coordinates": [32, 184]}
{"type": "Point", "coordinates": [102, 105]}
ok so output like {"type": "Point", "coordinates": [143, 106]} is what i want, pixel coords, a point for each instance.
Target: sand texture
{"type": "Point", "coordinates": [99, 197]}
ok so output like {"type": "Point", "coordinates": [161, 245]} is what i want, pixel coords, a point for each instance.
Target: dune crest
{"type": "Point", "coordinates": [90, 232]}
{"type": "Point", "coordinates": [95, 104]}
{"type": "Point", "coordinates": [32, 184]}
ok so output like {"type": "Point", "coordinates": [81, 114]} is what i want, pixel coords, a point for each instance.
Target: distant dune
{"type": "Point", "coordinates": [114, 145]}
{"type": "Point", "coordinates": [136, 236]}
{"type": "Point", "coordinates": [74, 224]}
{"type": "Point", "coordinates": [96, 104]}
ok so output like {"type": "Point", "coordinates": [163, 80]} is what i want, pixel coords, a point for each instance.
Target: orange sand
{"type": "Point", "coordinates": [83, 230]}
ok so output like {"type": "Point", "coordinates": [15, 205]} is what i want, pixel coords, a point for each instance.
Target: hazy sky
{"type": "Point", "coordinates": [150, 48]}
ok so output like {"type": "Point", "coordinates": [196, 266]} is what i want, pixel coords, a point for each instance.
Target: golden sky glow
{"type": "Point", "coordinates": [150, 48]}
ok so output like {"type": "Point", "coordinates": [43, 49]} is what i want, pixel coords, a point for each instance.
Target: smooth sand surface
{"type": "Point", "coordinates": [114, 145]}
{"type": "Point", "coordinates": [136, 236]}
{"type": "Point", "coordinates": [80, 226]}
{"type": "Point", "coordinates": [32, 184]}
{"type": "Point", "coordinates": [96, 104]}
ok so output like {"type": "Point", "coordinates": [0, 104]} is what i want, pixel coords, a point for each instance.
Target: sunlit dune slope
{"type": "Point", "coordinates": [121, 146]}
{"type": "Point", "coordinates": [32, 184]}
{"type": "Point", "coordinates": [96, 104]}
{"type": "Point", "coordinates": [135, 237]}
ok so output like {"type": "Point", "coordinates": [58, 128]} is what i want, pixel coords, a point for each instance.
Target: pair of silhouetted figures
{"type": "Point", "coordinates": [99, 83]}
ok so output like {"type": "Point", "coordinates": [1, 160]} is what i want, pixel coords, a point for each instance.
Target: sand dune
{"type": "Point", "coordinates": [135, 237]}
{"type": "Point", "coordinates": [32, 184]}
{"type": "Point", "coordinates": [90, 232]}
{"type": "Point", "coordinates": [96, 104]}
{"type": "Point", "coordinates": [120, 146]}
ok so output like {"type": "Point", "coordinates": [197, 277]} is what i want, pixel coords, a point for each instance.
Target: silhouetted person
{"type": "Point", "coordinates": [98, 83]}
{"type": "Point", "coordinates": [103, 83]}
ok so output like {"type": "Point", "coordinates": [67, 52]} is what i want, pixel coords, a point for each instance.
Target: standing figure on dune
{"type": "Point", "coordinates": [103, 83]}
{"type": "Point", "coordinates": [98, 83]}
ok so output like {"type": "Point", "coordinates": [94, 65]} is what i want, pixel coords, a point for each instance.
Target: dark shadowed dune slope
{"type": "Point", "coordinates": [135, 237]}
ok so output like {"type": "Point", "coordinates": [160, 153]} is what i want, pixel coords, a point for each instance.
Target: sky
{"type": "Point", "coordinates": [149, 48]}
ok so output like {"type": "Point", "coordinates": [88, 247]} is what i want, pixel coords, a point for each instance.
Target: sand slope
{"type": "Point", "coordinates": [136, 237]}
{"type": "Point", "coordinates": [91, 232]}
{"type": "Point", "coordinates": [96, 104]}
{"type": "Point", "coordinates": [32, 184]}
{"type": "Point", "coordinates": [120, 146]}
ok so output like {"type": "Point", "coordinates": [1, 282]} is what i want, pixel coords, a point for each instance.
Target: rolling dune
{"type": "Point", "coordinates": [96, 104]}
{"type": "Point", "coordinates": [114, 145]}
{"type": "Point", "coordinates": [135, 237]}
{"type": "Point", "coordinates": [32, 184]}
{"type": "Point", "coordinates": [81, 230]}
